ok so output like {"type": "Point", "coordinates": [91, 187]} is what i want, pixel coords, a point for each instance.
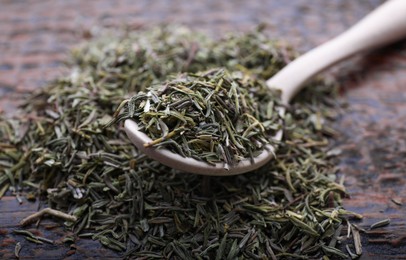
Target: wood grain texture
{"type": "Point", "coordinates": [12, 213]}
{"type": "Point", "coordinates": [373, 144]}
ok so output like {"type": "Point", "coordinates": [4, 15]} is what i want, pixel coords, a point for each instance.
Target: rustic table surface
{"type": "Point", "coordinates": [35, 37]}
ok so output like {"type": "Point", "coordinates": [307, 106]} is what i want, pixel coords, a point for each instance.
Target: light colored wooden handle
{"type": "Point", "coordinates": [383, 26]}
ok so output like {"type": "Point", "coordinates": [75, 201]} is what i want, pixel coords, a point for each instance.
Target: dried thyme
{"type": "Point", "coordinates": [17, 250]}
{"type": "Point", "coordinates": [214, 116]}
{"type": "Point", "coordinates": [57, 146]}
{"type": "Point", "coordinates": [381, 223]}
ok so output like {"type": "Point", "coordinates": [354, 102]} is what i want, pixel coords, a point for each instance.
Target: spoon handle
{"type": "Point", "coordinates": [383, 26]}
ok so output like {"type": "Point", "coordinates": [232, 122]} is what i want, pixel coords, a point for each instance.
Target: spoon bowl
{"type": "Point", "coordinates": [383, 26]}
{"type": "Point", "coordinates": [189, 164]}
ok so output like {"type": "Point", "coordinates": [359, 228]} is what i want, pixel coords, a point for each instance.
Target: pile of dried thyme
{"type": "Point", "coordinates": [57, 146]}
{"type": "Point", "coordinates": [213, 116]}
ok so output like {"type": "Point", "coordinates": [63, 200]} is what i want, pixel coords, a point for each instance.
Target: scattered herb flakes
{"type": "Point", "coordinates": [57, 146]}
{"type": "Point", "coordinates": [17, 250]}
{"type": "Point", "coordinates": [381, 223]}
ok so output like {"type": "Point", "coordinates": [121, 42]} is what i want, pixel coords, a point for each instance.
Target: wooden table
{"type": "Point", "coordinates": [34, 37]}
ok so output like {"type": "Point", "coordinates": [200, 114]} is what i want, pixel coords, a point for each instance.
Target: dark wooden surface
{"type": "Point", "coordinates": [373, 145]}
{"type": "Point", "coordinates": [34, 37]}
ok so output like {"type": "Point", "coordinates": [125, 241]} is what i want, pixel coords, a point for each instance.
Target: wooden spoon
{"type": "Point", "coordinates": [383, 26]}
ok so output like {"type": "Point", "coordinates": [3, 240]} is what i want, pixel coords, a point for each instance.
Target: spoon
{"type": "Point", "coordinates": [383, 26]}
